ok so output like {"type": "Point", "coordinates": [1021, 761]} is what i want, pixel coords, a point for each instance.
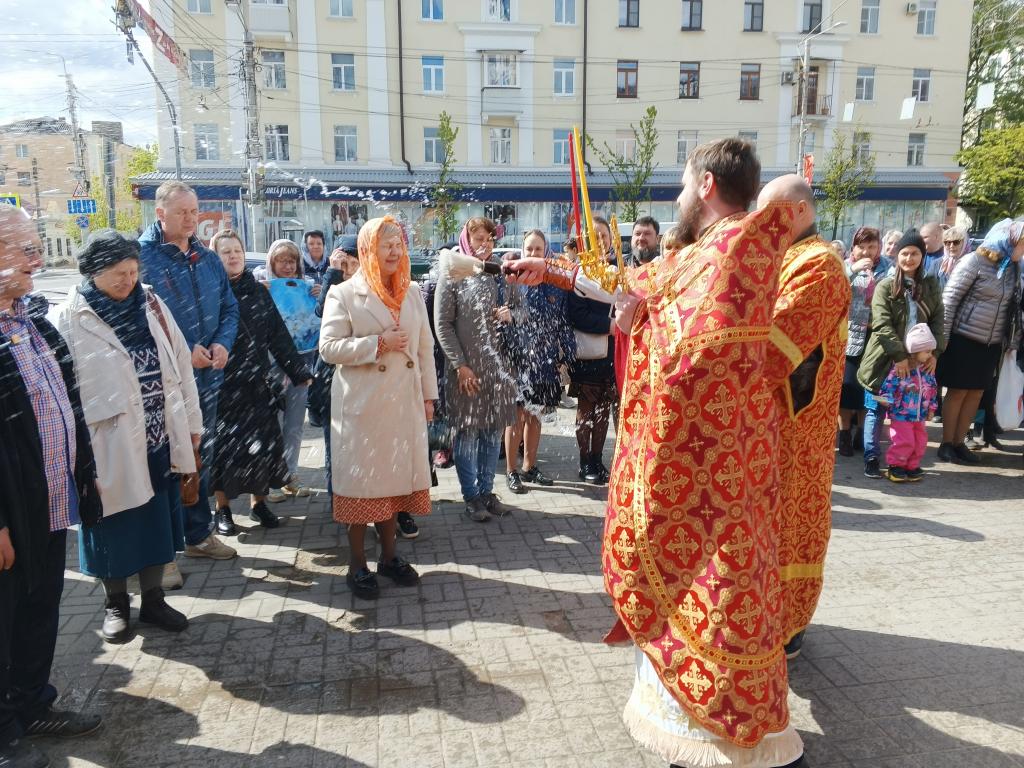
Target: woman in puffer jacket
{"type": "Point", "coordinates": [980, 299]}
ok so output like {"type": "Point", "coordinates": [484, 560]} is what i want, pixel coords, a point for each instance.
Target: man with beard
{"type": "Point", "coordinates": [644, 243]}
{"type": "Point", "coordinates": [805, 365]}
{"type": "Point", "coordinates": [690, 542]}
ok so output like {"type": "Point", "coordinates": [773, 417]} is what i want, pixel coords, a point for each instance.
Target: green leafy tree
{"type": "Point", "coordinates": [447, 192]}
{"type": "Point", "coordinates": [996, 55]}
{"type": "Point", "coordinates": [992, 185]}
{"type": "Point", "coordinates": [129, 211]}
{"type": "Point", "coordinates": [631, 174]}
{"type": "Point", "coordinates": [846, 174]}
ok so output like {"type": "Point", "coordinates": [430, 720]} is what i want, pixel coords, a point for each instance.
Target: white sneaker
{"type": "Point", "coordinates": [294, 489]}
{"type": "Point", "coordinates": [172, 577]}
{"type": "Point", "coordinates": [210, 547]}
{"type": "Point", "coordinates": [276, 495]}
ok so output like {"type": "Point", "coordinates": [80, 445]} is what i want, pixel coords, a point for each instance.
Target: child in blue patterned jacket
{"type": "Point", "coordinates": [911, 394]}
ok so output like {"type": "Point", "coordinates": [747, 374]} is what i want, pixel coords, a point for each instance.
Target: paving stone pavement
{"type": "Point", "coordinates": [915, 659]}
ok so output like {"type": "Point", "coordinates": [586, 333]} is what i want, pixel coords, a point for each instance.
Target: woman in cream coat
{"type": "Point", "coordinates": [140, 403]}
{"type": "Point", "coordinates": [375, 330]}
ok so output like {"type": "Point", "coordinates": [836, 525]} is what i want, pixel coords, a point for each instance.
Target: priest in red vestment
{"type": "Point", "coordinates": [691, 538]}
{"type": "Point", "coordinates": [805, 365]}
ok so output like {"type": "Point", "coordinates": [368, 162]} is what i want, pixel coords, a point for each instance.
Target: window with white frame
{"type": "Point", "coordinates": [865, 87]}
{"type": "Point", "coordinates": [693, 14]}
{"type": "Point", "coordinates": [200, 68]}
{"type": "Point", "coordinates": [748, 136]}
{"type": "Point", "coordinates": [861, 147]}
{"type": "Point", "coordinates": [685, 142]}
{"type": "Point", "coordinates": [501, 70]}
{"type": "Point", "coordinates": [21, 150]}
{"type": "Point", "coordinates": [432, 10]}
{"type": "Point", "coordinates": [343, 71]}
{"type": "Point", "coordinates": [565, 11]}
{"type": "Point", "coordinates": [433, 74]}
{"type": "Point", "coordinates": [561, 146]}
{"type": "Point", "coordinates": [501, 146]}
{"type": "Point", "coordinates": [565, 77]}
{"type": "Point", "coordinates": [199, 6]}
{"type": "Point", "coordinates": [342, 9]}
{"type": "Point", "coordinates": [273, 70]}
{"type": "Point", "coordinates": [869, 17]}
{"type": "Point", "coordinates": [207, 141]}
{"type": "Point", "coordinates": [625, 145]}
{"type": "Point", "coordinates": [276, 142]}
{"type": "Point", "coordinates": [926, 17]}
{"type": "Point", "coordinates": [433, 148]}
{"type": "Point", "coordinates": [921, 85]}
{"type": "Point", "coordinates": [809, 140]}
{"type": "Point", "coordinates": [811, 16]}
{"type": "Point", "coordinates": [24, 179]}
{"type": "Point", "coordinates": [753, 16]}
{"type": "Point", "coordinates": [498, 10]}
{"type": "Point", "coordinates": [915, 150]}
{"type": "Point", "coordinates": [345, 144]}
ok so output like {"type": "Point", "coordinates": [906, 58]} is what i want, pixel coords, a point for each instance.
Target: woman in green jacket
{"type": "Point", "coordinates": [902, 300]}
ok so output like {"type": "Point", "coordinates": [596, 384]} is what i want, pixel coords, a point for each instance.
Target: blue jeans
{"type": "Point", "coordinates": [475, 452]}
{"type": "Point", "coordinates": [198, 519]}
{"type": "Point", "coordinates": [874, 421]}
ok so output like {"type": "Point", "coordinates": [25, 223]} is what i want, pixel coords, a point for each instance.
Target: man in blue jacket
{"type": "Point", "coordinates": [190, 279]}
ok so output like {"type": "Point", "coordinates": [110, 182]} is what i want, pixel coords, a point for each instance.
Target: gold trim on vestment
{"type": "Point", "coordinates": [801, 571]}
{"type": "Point", "coordinates": [786, 346]}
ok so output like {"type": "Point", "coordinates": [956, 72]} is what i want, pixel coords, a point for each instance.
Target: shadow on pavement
{"type": "Point", "coordinates": [142, 732]}
{"type": "Point", "coordinates": [301, 664]}
{"type": "Point", "coordinates": [910, 702]}
{"type": "Point", "coordinates": [865, 522]}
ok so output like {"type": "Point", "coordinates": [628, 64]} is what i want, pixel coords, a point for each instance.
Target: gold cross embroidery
{"type": "Point", "coordinates": [747, 615]}
{"type": "Point", "coordinates": [691, 610]}
{"type": "Point", "coordinates": [723, 405]}
{"type": "Point", "coordinates": [738, 546]}
{"type": "Point", "coordinates": [636, 612]}
{"type": "Point", "coordinates": [730, 475]}
{"type": "Point", "coordinates": [625, 549]}
{"type": "Point", "coordinates": [755, 684]}
{"type": "Point", "coordinates": [671, 484]}
{"type": "Point", "coordinates": [683, 545]}
{"type": "Point", "coordinates": [664, 419]}
{"type": "Point", "coordinates": [694, 680]}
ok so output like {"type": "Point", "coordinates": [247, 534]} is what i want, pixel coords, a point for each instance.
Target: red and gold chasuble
{"type": "Point", "coordinates": [690, 542]}
{"type": "Point", "coordinates": [805, 363]}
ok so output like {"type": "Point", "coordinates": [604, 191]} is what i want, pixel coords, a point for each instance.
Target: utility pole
{"type": "Point", "coordinates": [805, 79]}
{"type": "Point", "coordinates": [79, 171]}
{"type": "Point", "coordinates": [126, 22]}
{"type": "Point", "coordinates": [253, 145]}
{"type": "Point", "coordinates": [40, 224]}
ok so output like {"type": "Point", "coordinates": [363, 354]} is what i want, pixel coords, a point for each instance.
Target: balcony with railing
{"type": "Point", "coordinates": [818, 107]}
{"type": "Point", "coordinates": [270, 19]}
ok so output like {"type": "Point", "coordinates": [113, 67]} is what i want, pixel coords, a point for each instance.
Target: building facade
{"type": "Point", "coordinates": [349, 94]}
{"type": "Point", "coordinates": [37, 168]}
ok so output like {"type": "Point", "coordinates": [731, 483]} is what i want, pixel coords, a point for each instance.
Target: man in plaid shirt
{"type": "Point", "coordinates": [47, 483]}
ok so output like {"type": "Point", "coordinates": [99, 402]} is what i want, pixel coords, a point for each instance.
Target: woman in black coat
{"type": "Point", "coordinates": [593, 380]}
{"type": "Point", "coordinates": [249, 452]}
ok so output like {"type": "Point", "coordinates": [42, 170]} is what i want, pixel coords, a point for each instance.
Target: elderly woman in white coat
{"type": "Point", "coordinates": [140, 403]}
{"type": "Point", "coordinates": [376, 331]}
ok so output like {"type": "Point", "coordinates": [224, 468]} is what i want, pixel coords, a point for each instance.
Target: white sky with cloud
{"type": "Point", "coordinates": [83, 32]}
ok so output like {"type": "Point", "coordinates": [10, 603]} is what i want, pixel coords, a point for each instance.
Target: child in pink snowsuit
{"type": "Point", "coordinates": [912, 397]}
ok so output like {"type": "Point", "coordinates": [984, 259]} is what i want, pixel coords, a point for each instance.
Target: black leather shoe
{"type": "Point", "coordinates": [225, 524]}
{"type": "Point", "coordinates": [261, 514]}
{"type": "Point", "coordinates": [116, 620]}
{"type": "Point", "coordinates": [534, 475]}
{"type": "Point", "coordinates": [946, 452]}
{"type": "Point", "coordinates": [514, 481]}
{"type": "Point", "coordinates": [399, 571]}
{"type": "Point", "coordinates": [22, 754]}
{"type": "Point", "coordinates": [795, 645]}
{"type": "Point", "coordinates": [363, 583]}
{"type": "Point", "coordinates": [155, 610]}
{"type": "Point", "coordinates": [64, 725]}
{"type": "Point", "coordinates": [965, 455]}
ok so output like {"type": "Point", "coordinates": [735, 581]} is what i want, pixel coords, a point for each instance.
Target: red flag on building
{"type": "Point", "coordinates": [161, 40]}
{"type": "Point", "coordinates": [809, 170]}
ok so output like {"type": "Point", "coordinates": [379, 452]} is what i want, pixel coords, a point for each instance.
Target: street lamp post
{"type": "Point", "coordinates": [805, 68]}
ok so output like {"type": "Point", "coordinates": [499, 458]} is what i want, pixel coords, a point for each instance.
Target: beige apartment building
{"type": "Point", "coordinates": [37, 170]}
{"type": "Point", "coordinates": [349, 94]}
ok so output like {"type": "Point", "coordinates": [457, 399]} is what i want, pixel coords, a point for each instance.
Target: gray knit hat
{"type": "Point", "coordinates": [104, 248]}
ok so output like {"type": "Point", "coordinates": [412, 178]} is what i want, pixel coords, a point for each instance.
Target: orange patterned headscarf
{"type": "Point", "coordinates": [393, 293]}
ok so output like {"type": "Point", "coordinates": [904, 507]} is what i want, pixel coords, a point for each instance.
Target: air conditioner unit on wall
{"type": "Point", "coordinates": [788, 77]}
{"type": "Point", "coordinates": [911, 9]}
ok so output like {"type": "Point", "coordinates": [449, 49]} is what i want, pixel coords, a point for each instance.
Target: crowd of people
{"type": "Point", "coordinates": [174, 375]}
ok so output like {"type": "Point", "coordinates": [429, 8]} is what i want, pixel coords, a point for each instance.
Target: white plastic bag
{"type": "Point", "coordinates": [1010, 392]}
